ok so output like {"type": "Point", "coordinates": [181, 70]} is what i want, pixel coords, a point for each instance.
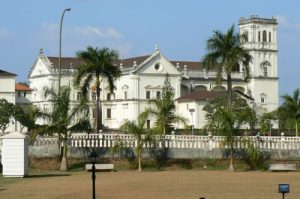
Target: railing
{"type": "Point", "coordinates": [185, 141]}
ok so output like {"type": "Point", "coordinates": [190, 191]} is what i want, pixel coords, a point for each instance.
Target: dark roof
{"type": "Point", "coordinates": [66, 62]}
{"type": "Point", "coordinates": [209, 95]}
{"type": "Point", "coordinates": [202, 95]}
{"type": "Point", "coordinates": [5, 73]}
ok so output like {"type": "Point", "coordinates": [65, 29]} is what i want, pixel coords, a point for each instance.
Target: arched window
{"type": "Point", "coordinates": [270, 39]}
{"type": "Point", "coordinates": [200, 88]}
{"type": "Point", "coordinates": [265, 66]}
{"type": "Point", "coordinates": [263, 98]}
{"type": "Point", "coordinates": [158, 95]}
{"type": "Point", "coordinates": [258, 36]}
{"type": "Point", "coordinates": [264, 36]}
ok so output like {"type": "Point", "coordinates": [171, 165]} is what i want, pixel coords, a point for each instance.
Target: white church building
{"type": "Point", "coordinates": [143, 77]}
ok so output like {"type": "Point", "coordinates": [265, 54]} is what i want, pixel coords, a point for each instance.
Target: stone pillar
{"type": "Point", "coordinates": [14, 155]}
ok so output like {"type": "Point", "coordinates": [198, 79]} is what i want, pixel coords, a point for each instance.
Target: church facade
{"type": "Point", "coordinates": [143, 77]}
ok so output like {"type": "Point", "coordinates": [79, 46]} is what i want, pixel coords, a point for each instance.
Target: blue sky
{"type": "Point", "coordinates": [133, 27]}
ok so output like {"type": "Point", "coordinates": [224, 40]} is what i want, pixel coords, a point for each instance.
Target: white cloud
{"type": "Point", "coordinates": [284, 22]}
{"type": "Point", "coordinates": [99, 32]}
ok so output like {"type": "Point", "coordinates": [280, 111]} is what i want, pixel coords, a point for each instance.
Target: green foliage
{"type": "Point", "coordinates": [252, 156]}
{"type": "Point", "coordinates": [97, 65]}
{"type": "Point", "coordinates": [289, 111]}
{"type": "Point", "coordinates": [164, 110]}
{"type": "Point", "coordinates": [6, 114]}
{"type": "Point", "coordinates": [62, 116]}
{"type": "Point", "coordinates": [142, 134]}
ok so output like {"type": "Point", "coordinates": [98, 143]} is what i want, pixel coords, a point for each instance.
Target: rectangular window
{"type": "Point", "coordinates": [262, 100]}
{"type": "Point", "coordinates": [78, 96]}
{"type": "Point", "coordinates": [148, 124]}
{"type": "Point", "coordinates": [108, 113]}
{"type": "Point", "coordinates": [24, 94]}
{"type": "Point", "coordinates": [158, 96]}
{"type": "Point", "coordinates": [19, 94]}
{"type": "Point", "coordinates": [265, 71]}
{"type": "Point", "coordinates": [125, 95]}
{"type": "Point", "coordinates": [148, 95]}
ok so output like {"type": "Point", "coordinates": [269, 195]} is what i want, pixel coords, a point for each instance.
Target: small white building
{"type": "Point", "coordinates": [143, 77]}
{"type": "Point", "coordinates": [7, 91]}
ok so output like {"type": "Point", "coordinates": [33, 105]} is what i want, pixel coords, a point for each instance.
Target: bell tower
{"type": "Point", "coordinates": [262, 45]}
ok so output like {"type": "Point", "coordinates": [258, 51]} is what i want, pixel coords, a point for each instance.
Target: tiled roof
{"type": "Point", "coordinates": [21, 87]}
{"type": "Point", "coordinates": [202, 95]}
{"type": "Point", "coordinates": [67, 62]}
{"type": "Point", "coordinates": [5, 73]}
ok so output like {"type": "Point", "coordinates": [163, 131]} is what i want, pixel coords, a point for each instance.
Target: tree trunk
{"type": "Point", "coordinates": [139, 161]}
{"type": "Point", "coordinates": [98, 107]}
{"type": "Point", "coordinates": [296, 128]}
{"type": "Point", "coordinates": [229, 91]}
{"type": "Point", "coordinates": [64, 160]}
{"type": "Point", "coordinates": [231, 165]}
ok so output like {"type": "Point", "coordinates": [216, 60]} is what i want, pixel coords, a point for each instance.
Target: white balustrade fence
{"type": "Point", "coordinates": [184, 141]}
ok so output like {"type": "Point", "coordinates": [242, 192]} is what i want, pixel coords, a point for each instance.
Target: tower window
{"type": "Point", "coordinates": [270, 39]}
{"type": "Point", "coordinates": [263, 98]}
{"type": "Point", "coordinates": [125, 95]}
{"type": "Point", "coordinates": [265, 71]}
{"type": "Point", "coordinates": [264, 36]}
{"type": "Point", "coordinates": [108, 113]}
{"type": "Point", "coordinates": [258, 36]}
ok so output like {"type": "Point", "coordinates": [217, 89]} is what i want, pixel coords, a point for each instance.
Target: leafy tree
{"type": "Point", "coordinates": [142, 134]}
{"type": "Point", "coordinates": [65, 119]}
{"type": "Point", "coordinates": [6, 114]}
{"type": "Point", "coordinates": [164, 109]}
{"type": "Point", "coordinates": [228, 122]}
{"type": "Point", "coordinates": [291, 108]}
{"type": "Point", "coordinates": [98, 65]}
{"type": "Point", "coordinates": [226, 53]}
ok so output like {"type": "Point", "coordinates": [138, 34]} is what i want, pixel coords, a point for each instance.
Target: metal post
{"type": "Point", "coordinates": [59, 56]}
{"type": "Point", "coordinates": [94, 178]}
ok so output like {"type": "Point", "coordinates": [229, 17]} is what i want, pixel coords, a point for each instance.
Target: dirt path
{"type": "Point", "coordinates": [156, 185]}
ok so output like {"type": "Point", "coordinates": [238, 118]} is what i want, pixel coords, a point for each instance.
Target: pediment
{"type": "Point", "coordinates": [39, 68]}
{"type": "Point", "coordinates": [157, 64]}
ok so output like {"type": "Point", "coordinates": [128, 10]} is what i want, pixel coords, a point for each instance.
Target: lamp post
{"type": "Point", "coordinates": [93, 158]}
{"type": "Point", "coordinates": [59, 56]}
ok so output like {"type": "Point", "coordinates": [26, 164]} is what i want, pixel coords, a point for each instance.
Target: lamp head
{"type": "Point", "coordinates": [68, 9]}
{"type": "Point", "coordinates": [283, 188]}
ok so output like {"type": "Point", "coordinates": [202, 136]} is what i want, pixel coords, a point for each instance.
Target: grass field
{"type": "Point", "coordinates": [183, 184]}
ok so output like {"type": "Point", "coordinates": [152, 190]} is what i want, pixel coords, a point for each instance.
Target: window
{"type": "Point", "coordinates": [147, 94]}
{"type": "Point", "coordinates": [94, 112]}
{"type": "Point", "coordinates": [263, 98]}
{"type": "Point", "coordinates": [245, 34]}
{"type": "Point", "coordinates": [264, 36]}
{"type": "Point", "coordinates": [158, 95]}
{"type": "Point", "coordinates": [94, 96]}
{"type": "Point", "coordinates": [258, 36]}
{"type": "Point", "coordinates": [24, 94]}
{"type": "Point", "coordinates": [125, 95]}
{"type": "Point", "coordinates": [270, 37]}
{"type": "Point", "coordinates": [265, 71]}
{"type": "Point", "coordinates": [108, 96]}
{"type": "Point", "coordinates": [79, 95]}
{"type": "Point", "coordinates": [148, 124]}
{"type": "Point", "coordinates": [157, 66]}
{"type": "Point", "coordinates": [19, 94]}
{"type": "Point", "coordinates": [108, 113]}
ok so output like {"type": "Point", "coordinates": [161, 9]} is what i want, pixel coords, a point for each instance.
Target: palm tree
{"type": "Point", "coordinates": [98, 65]}
{"type": "Point", "coordinates": [226, 53]}
{"type": "Point", "coordinates": [164, 109]}
{"type": "Point", "coordinates": [65, 120]}
{"type": "Point", "coordinates": [228, 122]}
{"type": "Point", "coordinates": [142, 134]}
{"type": "Point", "coordinates": [291, 107]}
